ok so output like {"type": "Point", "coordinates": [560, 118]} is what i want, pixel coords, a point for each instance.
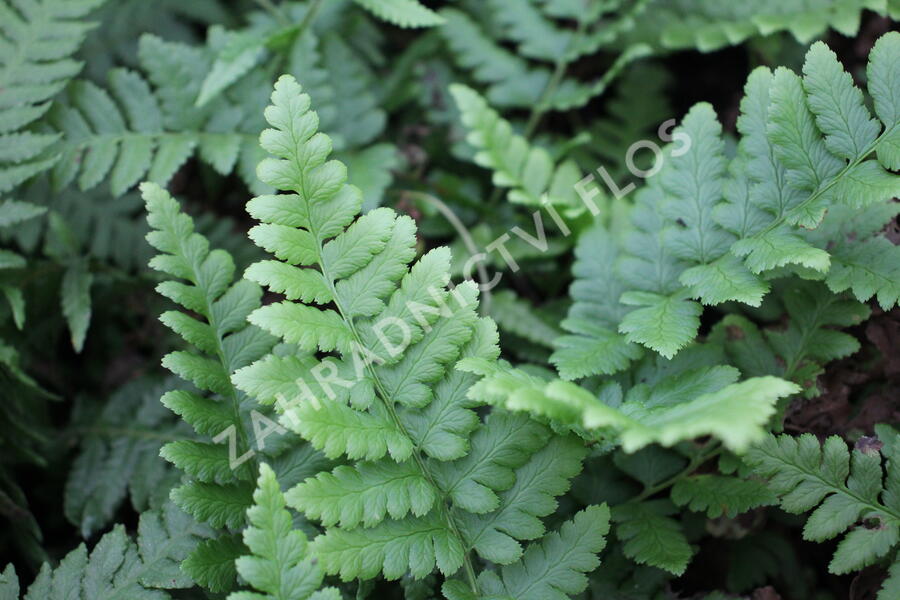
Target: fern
{"type": "Point", "coordinates": [219, 486]}
{"type": "Point", "coordinates": [39, 38]}
{"type": "Point", "coordinates": [514, 82]}
{"type": "Point", "coordinates": [425, 475]}
{"type": "Point", "coordinates": [594, 346]}
{"type": "Point", "coordinates": [528, 171]}
{"type": "Point", "coordinates": [14, 213]}
{"type": "Point", "coordinates": [845, 488]}
{"type": "Point", "coordinates": [717, 495]}
{"type": "Point", "coordinates": [638, 107]}
{"type": "Point", "coordinates": [708, 25]}
{"type": "Point", "coordinates": [119, 456]}
{"type": "Point", "coordinates": [119, 567]}
{"type": "Point", "coordinates": [800, 350]}
{"type": "Point", "coordinates": [278, 566]}
{"type": "Point", "coordinates": [650, 536]}
{"type": "Point", "coordinates": [552, 569]}
{"type": "Point", "coordinates": [704, 231]}
{"type": "Point", "coordinates": [689, 404]}
{"type": "Point", "coordinates": [404, 13]}
{"type": "Point", "coordinates": [123, 136]}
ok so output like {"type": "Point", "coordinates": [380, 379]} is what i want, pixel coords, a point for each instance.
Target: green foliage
{"type": "Point", "coordinates": [845, 488]}
{"type": "Point", "coordinates": [350, 418]}
{"type": "Point", "coordinates": [119, 567]}
{"type": "Point", "coordinates": [405, 13]}
{"type": "Point", "coordinates": [708, 25]}
{"type": "Point", "coordinates": [528, 171]}
{"type": "Point", "coordinates": [651, 537]}
{"type": "Point", "coordinates": [706, 232]}
{"type": "Point", "coordinates": [219, 487]}
{"type": "Point", "coordinates": [279, 565]}
{"type": "Point", "coordinates": [511, 80]}
{"type": "Point", "coordinates": [694, 403]}
{"type": "Point", "coordinates": [39, 39]}
{"type": "Point", "coordinates": [119, 456]}
{"type": "Point", "coordinates": [799, 351]}
{"type": "Point", "coordinates": [428, 479]}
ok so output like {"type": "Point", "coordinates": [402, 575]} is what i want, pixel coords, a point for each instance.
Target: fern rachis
{"type": "Point", "coordinates": [403, 419]}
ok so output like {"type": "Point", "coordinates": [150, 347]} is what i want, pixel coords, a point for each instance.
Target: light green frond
{"type": "Point", "coordinates": [217, 491]}
{"type": "Point", "coordinates": [419, 458]}
{"type": "Point", "coordinates": [279, 564]}
{"type": "Point", "coordinates": [664, 417]}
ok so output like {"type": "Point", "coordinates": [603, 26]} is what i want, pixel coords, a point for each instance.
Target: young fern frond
{"type": "Point", "coordinates": [220, 480]}
{"type": "Point", "coordinates": [851, 492]}
{"type": "Point", "coordinates": [705, 232]}
{"type": "Point", "coordinates": [279, 565]}
{"type": "Point", "coordinates": [682, 406]}
{"type": "Point", "coordinates": [426, 481]}
{"type": "Point", "coordinates": [39, 38]}
{"type": "Point", "coordinates": [119, 567]}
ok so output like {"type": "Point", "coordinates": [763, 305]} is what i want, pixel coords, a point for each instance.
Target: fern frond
{"type": "Point", "coordinates": [682, 406]}
{"type": "Point", "coordinates": [708, 25]}
{"type": "Point", "coordinates": [555, 567]}
{"type": "Point", "coordinates": [122, 137]}
{"type": "Point", "coordinates": [219, 490]}
{"type": "Point", "coordinates": [650, 535]}
{"type": "Point", "coordinates": [518, 317]}
{"type": "Point", "coordinates": [512, 81]}
{"type": "Point", "coordinates": [717, 495]}
{"type": "Point", "coordinates": [119, 567]}
{"type": "Point", "coordinates": [39, 39]}
{"type": "Point", "coordinates": [516, 513]}
{"type": "Point", "coordinates": [704, 232]}
{"type": "Point", "coordinates": [845, 488]}
{"type": "Point", "coordinates": [638, 106]}
{"type": "Point", "coordinates": [392, 333]}
{"type": "Point", "coordinates": [403, 13]}
{"type": "Point", "coordinates": [799, 351]}
{"type": "Point", "coordinates": [119, 457]}
{"type": "Point", "coordinates": [531, 25]}
{"type": "Point", "coordinates": [15, 212]}
{"type": "Point", "coordinates": [358, 118]}
{"type": "Point", "coordinates": [594, 346]}
{"type": "Point", "coordinates": [278, 566]}
{"type": "Point", "coordinates": [527, 170]}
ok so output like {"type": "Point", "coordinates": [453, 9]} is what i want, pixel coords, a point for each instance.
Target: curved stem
{"type": "Point", "coordinates": [711, 450]}
{"type": "Point", "coordinates": [559, 71]}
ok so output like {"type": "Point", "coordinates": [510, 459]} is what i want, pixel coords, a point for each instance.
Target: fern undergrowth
{"type": "Point", "coordinates": [528, 301]}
